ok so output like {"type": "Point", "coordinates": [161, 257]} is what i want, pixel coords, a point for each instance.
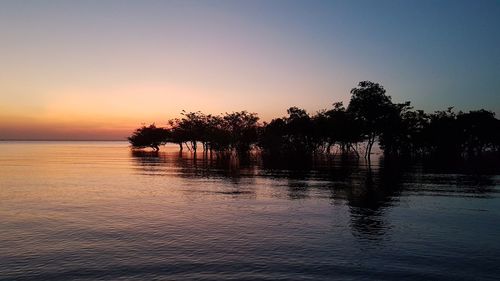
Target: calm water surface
{"type": "Point", "coordinates": [96, 210]}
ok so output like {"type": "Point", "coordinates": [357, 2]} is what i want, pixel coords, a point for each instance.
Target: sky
{"type": "Point", "coordinates": [81, 70]}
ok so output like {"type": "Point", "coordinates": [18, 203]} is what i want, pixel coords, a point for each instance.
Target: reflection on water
{"type": "Point", "coordinates": [369, 191]}
{"type": "Point", "coordinates": [100, 211]}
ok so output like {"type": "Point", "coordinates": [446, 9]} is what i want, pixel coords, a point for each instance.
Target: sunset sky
{"type": "Point", "coordinates": [99, 69]}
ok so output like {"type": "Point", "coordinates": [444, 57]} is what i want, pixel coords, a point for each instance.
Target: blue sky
{"type": "Point", "coordinates": [88, 66]}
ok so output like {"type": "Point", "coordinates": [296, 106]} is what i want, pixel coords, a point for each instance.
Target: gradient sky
{"type": "Point", "coordinates": [98, 69]}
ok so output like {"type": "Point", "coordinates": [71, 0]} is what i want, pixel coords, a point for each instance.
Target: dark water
{"type": "Point", "coordinates": [87, 211]}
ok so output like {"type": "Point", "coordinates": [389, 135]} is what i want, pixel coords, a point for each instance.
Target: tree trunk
{"type": "Point", "coordinates": [368, 151]}
{"type": "Point", "coordinates": [194, 146]}
{"type": "Point", "coordinates": [355, 150]}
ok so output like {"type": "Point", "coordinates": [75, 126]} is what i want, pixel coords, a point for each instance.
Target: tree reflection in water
{"type": "Point", "coordinates": [369, 191]}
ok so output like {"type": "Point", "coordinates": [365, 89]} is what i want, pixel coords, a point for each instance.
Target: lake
{"type": "Point", "coordinates": [99, 211]}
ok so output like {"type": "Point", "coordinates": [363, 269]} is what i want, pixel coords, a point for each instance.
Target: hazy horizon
{"type": "Point", "coordinates": [97, 70]}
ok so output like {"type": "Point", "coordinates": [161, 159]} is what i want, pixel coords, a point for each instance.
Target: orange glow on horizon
{"type": "Point", "coordinates": [112, 113]}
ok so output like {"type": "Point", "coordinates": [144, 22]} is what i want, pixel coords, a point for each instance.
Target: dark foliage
{"type": "Point", "coordinates": [231, 132]}
{"type": "Point", "coordinates": [371, 116]}
{"type": "Point", "coordinates": [150, 136]}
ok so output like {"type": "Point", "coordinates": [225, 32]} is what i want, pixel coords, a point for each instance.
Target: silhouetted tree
{"type": "Point", "coordinates": [218, 138]}
{"type": "Point", "coordinates": [235, 131]}
{"type": "Point", "coordinates": [443, 136]}
{"type": "Point", "coordinates": [193, 124]}
{"type": "Point", "coordinates": [370, 106]}
{"type": "Point", "coordinates": [293, 134]}
{"type": "Point", "coordinates": [299, 131]}
{"type": "Point", "coordinates": [272, 137]}
{"type": "Point", "coordinates": [344, 129]}
{"type": "Point", "coordinates": [398, 129]}
{"type": "Point", "coordinates": [242, 128]}
{"type": "Point", "coordinates": [478, 131]}
{"type": "Point", "coordinates": [412, 140]}
{"type": "Point", "coordinates": [150, 136]}
{"type": "Point", "coordinates": [370, 115]}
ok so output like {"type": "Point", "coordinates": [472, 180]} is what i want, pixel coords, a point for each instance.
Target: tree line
{"type": "Point", "coordinates": [371, 116]}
